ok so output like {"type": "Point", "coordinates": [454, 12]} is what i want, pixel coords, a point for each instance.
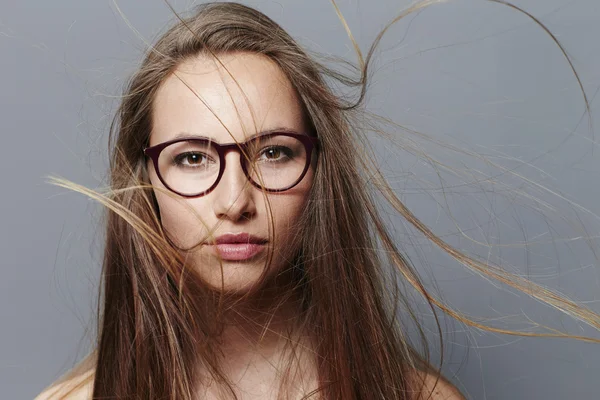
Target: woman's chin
{"type": "Point", "coordinates": [240, 277]}
{"type": "Point", "coordinates": [234, 277]}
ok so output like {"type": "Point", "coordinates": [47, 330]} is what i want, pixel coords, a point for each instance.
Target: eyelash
{"type": "Point", "coordinates": [286, 152]}
{"type": "Point", "coordinates": [177, 160]}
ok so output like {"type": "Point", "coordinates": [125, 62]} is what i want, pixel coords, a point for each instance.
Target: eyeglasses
{"type": "Point", "coordinates": [193, 167]}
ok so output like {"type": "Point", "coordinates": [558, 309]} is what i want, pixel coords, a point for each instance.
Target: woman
{"type": "Point", "coordinates": [241, 255]}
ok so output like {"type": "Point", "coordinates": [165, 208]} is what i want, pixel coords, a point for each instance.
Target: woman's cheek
{"type": "Point", "coordinates": [182, 220]}
{"type": "Point", "coordinates": [286, 216]}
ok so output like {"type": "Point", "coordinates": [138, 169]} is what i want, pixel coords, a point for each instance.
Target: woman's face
{"type": "Point", "coordinates": [264, 101]}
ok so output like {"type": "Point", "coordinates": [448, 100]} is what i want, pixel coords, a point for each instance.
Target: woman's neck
{"type": "Point", "coordinates": [261, 339]}
{"type": "Point", "coordinates": [260, 325]}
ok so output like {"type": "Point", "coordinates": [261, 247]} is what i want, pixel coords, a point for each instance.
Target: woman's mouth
{"type": "Point", "coordinates": [237, 246]}
{"type": "Point", "coordinates": [237, 251]}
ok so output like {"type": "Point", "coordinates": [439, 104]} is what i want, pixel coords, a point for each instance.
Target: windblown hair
{"type": "Point", "coordinates": [152, 328]}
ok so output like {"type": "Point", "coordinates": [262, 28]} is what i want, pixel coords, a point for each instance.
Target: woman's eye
{"type": "Point", "coordinates": [190, 159]}
{"type": "Point", "coordinates": [275, 154]}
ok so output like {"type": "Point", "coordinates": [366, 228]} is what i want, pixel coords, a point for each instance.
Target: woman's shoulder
{"type": "Point", "coordinates": [77, 384]}
{"type": "Point", "coordinates": [76, 388]}
{"type": "Point", "coordinates": [436, 387]}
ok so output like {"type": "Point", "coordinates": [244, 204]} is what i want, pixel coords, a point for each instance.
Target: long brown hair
{"type": "Point", "coordinates": [149, 332]}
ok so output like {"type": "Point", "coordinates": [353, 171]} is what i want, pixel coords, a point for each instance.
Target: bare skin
{"type": "Point", "coordinates": [79, 387]}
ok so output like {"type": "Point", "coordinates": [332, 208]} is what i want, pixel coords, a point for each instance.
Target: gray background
{"type": "Point", "coordinates": [474, 74]}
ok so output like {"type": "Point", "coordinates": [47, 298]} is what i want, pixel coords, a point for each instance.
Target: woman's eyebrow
{"type": "Point", "coordinates": [187, 135]}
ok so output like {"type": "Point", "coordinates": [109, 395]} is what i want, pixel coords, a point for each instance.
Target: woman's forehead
{"type": "Point", "coordinates": [247, 94]}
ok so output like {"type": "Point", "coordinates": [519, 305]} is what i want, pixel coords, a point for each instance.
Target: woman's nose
{"type": "Point", "coordinates": [233, 196]}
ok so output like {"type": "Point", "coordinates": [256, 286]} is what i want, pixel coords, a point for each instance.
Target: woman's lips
{"type": "Point", "coordinates": [237, 251]}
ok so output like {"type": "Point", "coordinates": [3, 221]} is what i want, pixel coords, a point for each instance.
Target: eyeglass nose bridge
{"type": "Point", "coordinates": [223, 149]}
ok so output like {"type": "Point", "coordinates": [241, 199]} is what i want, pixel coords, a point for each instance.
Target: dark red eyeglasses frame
{"type": "Point", "coordinates": [310, 143]}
